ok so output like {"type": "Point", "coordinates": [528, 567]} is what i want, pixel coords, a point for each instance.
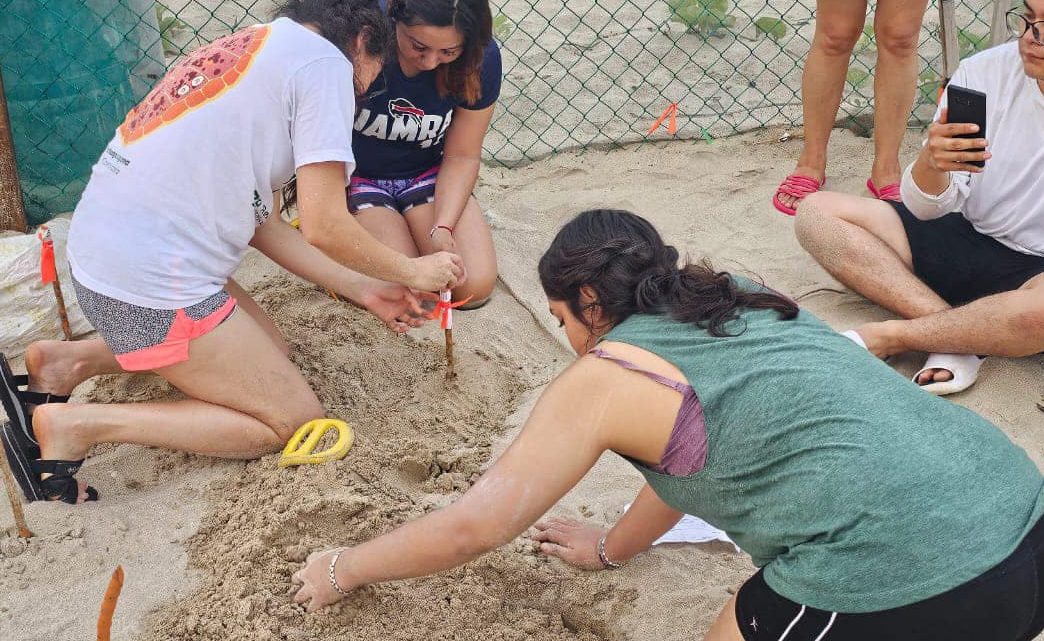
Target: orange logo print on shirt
{"type": "Point", "coordinates": [201, 77]}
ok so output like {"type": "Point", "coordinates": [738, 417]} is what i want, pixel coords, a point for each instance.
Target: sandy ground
{"type": "Point", "coordinates": [209, 545]}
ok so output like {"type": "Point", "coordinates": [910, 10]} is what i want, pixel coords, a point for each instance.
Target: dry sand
{"type": "Point", "coordinates": [209, 545]}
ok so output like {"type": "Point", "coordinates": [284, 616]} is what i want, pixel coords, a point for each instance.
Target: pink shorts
{"type": "Point", "coordinates": [145, 339]}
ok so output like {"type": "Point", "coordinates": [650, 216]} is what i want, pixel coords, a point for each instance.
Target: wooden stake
{"type": "Point", "coordinates": [12, 209]}
{"type": "Point", "coordinates": [108, 605]}
{"type": "Point", "coordinates": [62, 312]}
{"type": "Point", "coordinates": [12, 496]}
{"type": "Point", "coordinates": [450, 373]}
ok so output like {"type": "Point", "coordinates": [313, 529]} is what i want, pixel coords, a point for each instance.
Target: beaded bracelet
{"type": "Point", "coordinates": [333, 579]}
{"type": "Point", "coordinates": [606, 562]}
{"type": "Point", "coordinates": [431, 234]}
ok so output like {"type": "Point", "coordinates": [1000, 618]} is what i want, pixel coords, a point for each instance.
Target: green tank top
{"type": "Point", "coordinates": [855, 490]}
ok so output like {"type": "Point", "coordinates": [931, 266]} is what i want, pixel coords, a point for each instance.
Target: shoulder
{"type": "Point", "coordinates": [987, 67]}
{"type": "Point", "coordinates": [492, 67]}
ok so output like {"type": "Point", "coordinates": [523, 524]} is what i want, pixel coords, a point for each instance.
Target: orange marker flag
{"type": "Point", "coordinates": [108, 605]}
{"type": "Point", "coordinates": [48, 270]}
{"type": "Point", "coordinates": [671, 115]}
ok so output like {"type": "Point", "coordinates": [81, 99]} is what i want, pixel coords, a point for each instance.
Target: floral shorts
{"type": "Point", "coordinates": [143, 338]}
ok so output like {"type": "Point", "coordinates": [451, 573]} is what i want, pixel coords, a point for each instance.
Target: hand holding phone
{"type": "Point", "coordinates": [957, 142]}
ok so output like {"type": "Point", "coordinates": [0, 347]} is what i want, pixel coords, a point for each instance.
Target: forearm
{"type": "Point", "coordinates": [439, 541]}
{"type": "Point", "coordinates": [285, 246]}
{"type": "Point", "coordinates": [456, 181]}
{"type": "Point", "coordinates": [348, 243]}
{"type": "Point", "coordinates": [648, 519]}
{"type": "Point", "coordinates": [928, 192]}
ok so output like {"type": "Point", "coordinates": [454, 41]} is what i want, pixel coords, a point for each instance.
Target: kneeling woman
{"type": "Point", "coordinates": [418, 138]}
{"type": "Point", "coordinates": [181, 191]}
{"type": "Point", "coordinates": [853, 490]}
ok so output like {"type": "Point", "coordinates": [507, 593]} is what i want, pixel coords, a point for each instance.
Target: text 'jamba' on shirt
{"type": "Point", "coordinates": [400, 132]}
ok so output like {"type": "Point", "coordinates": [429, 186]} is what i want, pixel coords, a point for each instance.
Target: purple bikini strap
{"type": "Point", "coordinates": [663, 380]}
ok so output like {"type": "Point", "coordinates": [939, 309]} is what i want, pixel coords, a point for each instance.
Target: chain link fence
{"type": "Point", "coordinates": [594, 73]}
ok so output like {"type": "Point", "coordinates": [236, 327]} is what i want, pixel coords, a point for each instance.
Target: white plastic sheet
{"type": "Point", "coordinates": [28, 308]}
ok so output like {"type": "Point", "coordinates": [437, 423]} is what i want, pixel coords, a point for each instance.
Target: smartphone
{"type": "Point", "coordinates": [967, 105]}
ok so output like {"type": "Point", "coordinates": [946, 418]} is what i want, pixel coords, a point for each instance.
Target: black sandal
{"type": "Point", "coordinates": [16, 403]}
{"type": "Point", "coordinates": [60, 486]}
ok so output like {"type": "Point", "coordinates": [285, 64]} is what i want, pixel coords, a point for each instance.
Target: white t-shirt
{"type": "Point", "coordinates": [175, 198]}
{"type": "Point", "coordinates": [1006, 200]}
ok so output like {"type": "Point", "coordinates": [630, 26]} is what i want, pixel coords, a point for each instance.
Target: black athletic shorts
{"type": "Point", "coordinates": [1006, 603]}
{"type": "Point", "coordinates": [959, 263]}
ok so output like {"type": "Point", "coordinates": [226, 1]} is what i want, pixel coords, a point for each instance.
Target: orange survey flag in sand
{"type": "Point", "coordinates": [48, 270]}
{"type": "Point", "coordinates": [671, 115]}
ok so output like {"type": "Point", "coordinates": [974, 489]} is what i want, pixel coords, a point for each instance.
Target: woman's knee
{"type": "Point", "coordinates": [291, 416]}
{"type": "Point", "coordinates": [900, 42]}
{"type": "Point", "coordinates": [837, 38]}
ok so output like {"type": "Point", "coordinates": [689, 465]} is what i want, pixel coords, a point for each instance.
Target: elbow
{"type": "Point", "coordinates": [315, 235]}
{"type": "Point", "coordinates": [478, 535]}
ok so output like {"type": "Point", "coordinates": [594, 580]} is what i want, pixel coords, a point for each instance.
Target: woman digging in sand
{"type": "Point", "coordinates": [418, 138]}
{"type": "Point", "coordinates": [181, 191]}
{"type": "Point", "coordinates": [853, 490]}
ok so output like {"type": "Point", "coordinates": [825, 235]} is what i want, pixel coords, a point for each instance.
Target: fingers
{"type": "Point", "coordinates": [414, 305]}
{"type": "Point", "coordinates": [553, 549]}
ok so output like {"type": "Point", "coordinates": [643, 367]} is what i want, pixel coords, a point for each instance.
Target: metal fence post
{"type": "Point", "coordinates": [948, 37]}
{"type": "Point", "coordinates": [12, 209]}
{"type": "Point", "coordinates": [998, 26]}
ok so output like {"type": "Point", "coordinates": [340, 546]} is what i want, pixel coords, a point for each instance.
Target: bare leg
{"type": "Point", "coordinates": [59, 366]}
{"type": "Point", "coordinates": [725, 627]}
{"type": "Point", "coordinates": [389, 227]}
{"type": "Point", "coordinates": [1006, 324]}
{"type": "Point", "coordinates": [474, 244]}
{"type": "Point", "coordinates": [230, 376]}
{"type": "Point", "coordinates": [897, 27]}
{"type": "Point", "coordinates": [838, 26]}
{"type": "Point", "coordinates": [862, 243]}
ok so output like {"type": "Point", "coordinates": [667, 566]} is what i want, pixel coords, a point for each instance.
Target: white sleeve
{"type": "Point", "coordinates": [926, 206]}
{"type": "Point", "coordinates": [321, 101]}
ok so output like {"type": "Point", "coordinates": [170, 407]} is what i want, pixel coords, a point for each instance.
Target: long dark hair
{"type": "Point", "coordinates": [622, 257]}
{"type": "Point", "coordinates": [341, 22]}
{"type": "Point", "coordinates": [460, 78]}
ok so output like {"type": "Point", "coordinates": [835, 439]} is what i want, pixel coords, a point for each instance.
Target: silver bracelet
{"type": "Point", "coordinates": [333, 579]}
{"type": "Point", "coordinates": [606, 562]}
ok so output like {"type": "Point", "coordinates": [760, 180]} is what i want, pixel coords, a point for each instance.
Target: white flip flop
{"type": "Point", "coordinates": [964, 367]}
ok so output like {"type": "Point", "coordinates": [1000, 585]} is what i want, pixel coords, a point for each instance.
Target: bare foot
{"type": "Point", "coordinates": [802, 170]}
{"type": "Point", "coordinates": [937, 375]}
{"type": "Point", "coordinates": [58, 440]}
{"type": "Point", "coordinates": [54, 367]}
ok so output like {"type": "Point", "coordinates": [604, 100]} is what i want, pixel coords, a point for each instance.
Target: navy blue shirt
{"type": "Point", "coordinates": [399, 133]}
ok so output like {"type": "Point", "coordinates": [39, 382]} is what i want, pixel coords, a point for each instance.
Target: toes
{"type": "Point", "coordinates": [929, 376]}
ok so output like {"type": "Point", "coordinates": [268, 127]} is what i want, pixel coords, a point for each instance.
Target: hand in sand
{"type": "Point", "coordinates": [314, 590]}
{"type": "Point", "coordinates": [396, 306]}
{"type": "Point", "coordinates": [437, 272]}
{"type": "Point", "coordinates": [573, 541]}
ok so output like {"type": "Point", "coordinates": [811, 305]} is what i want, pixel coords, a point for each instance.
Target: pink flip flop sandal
{"type": "Point", "coordinates": [796, 186]}
{"type": "Point", "coordinates": [888, 192]}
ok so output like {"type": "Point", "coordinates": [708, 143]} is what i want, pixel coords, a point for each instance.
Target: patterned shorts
{"type": "Point", "coordinates": [143, 338]}
{"type": "Point", "coordinates": [398, 194]}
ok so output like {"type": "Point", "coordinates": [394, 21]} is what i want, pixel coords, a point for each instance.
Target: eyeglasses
{"type": "Point", "coordinates": [1018, 25]}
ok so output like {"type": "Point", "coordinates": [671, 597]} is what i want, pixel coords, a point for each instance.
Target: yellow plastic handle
{"type": "Point", "coordinates": [300, 449]}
